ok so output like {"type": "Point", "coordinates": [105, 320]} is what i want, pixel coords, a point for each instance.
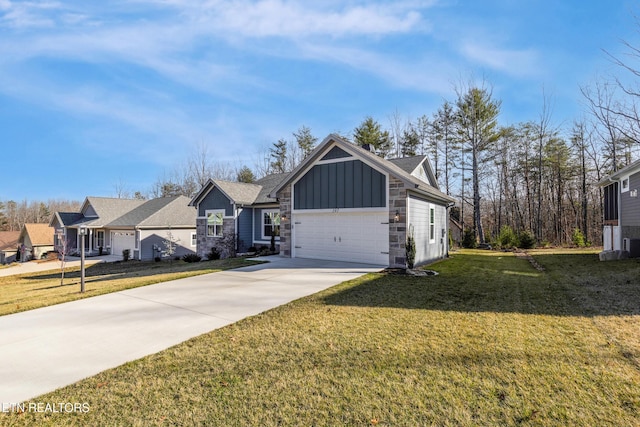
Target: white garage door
{"type": "Point", "coordinates": [355, 237]}
{"type": "Point", "coordinates": [121, 240]}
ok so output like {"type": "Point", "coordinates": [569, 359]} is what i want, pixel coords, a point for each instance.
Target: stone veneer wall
{"type": "Point", "coordinates": [397, 230]}
{"type": "Point", "coordinates": [284, 197]}
{"type": "Point", "coordinates": [205, 243]}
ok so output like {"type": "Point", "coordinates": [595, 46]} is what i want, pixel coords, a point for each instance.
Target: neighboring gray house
{"type": "Point", "coordinates": [621, 226]}
{"type": "Point", "coordinates": [227, 208]}
{"type": "Point", "coordinates": [142, 226]}
{"type": "Point", "coordinates": [341, 203]}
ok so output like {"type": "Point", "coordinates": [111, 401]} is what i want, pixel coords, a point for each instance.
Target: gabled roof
{"type": "Point", "coordinates": [268, 183]}
{"type": "Point", "coordinates": [39, 234]}
{"type": "Point", "coordinates": [408, 164]}
{"type": "Point", "coordinates": [242, 193]}
{"type": "Point", "coordinates": [112, 212]}
{"type": "Point", "coordinates": [413, 182]}
{"type": "Point", "coordinates": [108, 209]}
{"type": "Point", "coordinates": [160, 212]}
{"type": "Point", "coordinates": [66, 218]}
{"type": "Point", "coordinates": [9, 240]}
{"type": "Point", "coordinates": [617, 175]}
{"type": "Point", "coordinates": [411, 164]}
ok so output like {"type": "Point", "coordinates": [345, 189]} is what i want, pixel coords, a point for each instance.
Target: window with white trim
{"type": "Point", "coordinates": [432, 225]}
{"type": "Point", "coordinates": [625, 185]}
{"type": "Point", "coordinates": [214, 223]}
{"type": "Point", "coordinates": [194, 239]}
{"type": "Point", "coordinates": [270, 224]}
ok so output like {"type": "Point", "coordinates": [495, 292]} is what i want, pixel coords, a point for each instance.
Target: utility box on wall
{"type": "Point", "coordinates": [632, 246]}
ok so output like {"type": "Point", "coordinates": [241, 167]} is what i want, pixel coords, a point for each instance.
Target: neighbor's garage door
{"type": "Point", "coordinates": [354, 237]}
{"type": "Point", "coordinates": [121, 240]}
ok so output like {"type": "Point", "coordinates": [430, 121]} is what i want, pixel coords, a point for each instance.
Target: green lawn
{"type": "Point", "coordinates": [489, 341]}
{"type": "Point", "coordinates": [33, 290]}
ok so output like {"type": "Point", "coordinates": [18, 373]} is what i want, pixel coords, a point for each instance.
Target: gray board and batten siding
{"type": "Point", "coordinates": [215, 200]}
{"type": "Point", "coordinates": [348, 184]}
{"type": "Point", "coordinates": [630, 205]}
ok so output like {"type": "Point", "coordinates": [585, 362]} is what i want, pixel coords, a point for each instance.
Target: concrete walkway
{"type": "Point", "coordinates": [47, 348]}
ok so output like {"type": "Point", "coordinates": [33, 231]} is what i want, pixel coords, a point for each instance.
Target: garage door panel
{"type": "Point", "coordinates": [358, 237]}
{"type": "Point", "coordinates": [121, 240]}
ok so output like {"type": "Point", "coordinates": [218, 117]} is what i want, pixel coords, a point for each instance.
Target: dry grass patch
{"type": "Point", "coordinates": [33, 290]}
{"type": "Point", "coordinates": [489, 341]}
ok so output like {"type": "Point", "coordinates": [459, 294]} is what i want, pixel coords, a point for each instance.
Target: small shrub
{"type": "Point", "coordinates": [578, 238]}
{"type": "Point", "coordinates": [126, 253]}
{"type": "Point", "coordinates": [157, 259]}
{"type": "Point", "coordinates": [469, 239]}
{"type": "Point", "coordinates": [213, 254]}
{"type": "Point", "coordinates": [272, 248]}
{"type": "Point", "coordinates": [507, 238]}
{"type": "Point", "coordinates": [526, 240]}
{"type": "Point", "coordinates": [191, 258]}
{"type": "Point", "coordinates": [411, 250]}
{"type": "Point", "coordinates": [252, 249]}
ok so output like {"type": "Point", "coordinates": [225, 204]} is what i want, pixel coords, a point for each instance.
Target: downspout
{"type": "Point", "coordinates": [235, 227]}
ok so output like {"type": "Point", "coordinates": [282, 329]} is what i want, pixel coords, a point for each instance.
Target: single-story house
{"type": "Point", "coordinates": [341, 203]}
{"type": "Point", "coordinates": [8, 246]}
{"type": "Point", "coordinates": [243, 211]}
{"type": "Point", "coordinates": [144, 227]}
{"type": "Point", "coordinates": [621, 226]}
{"type": "Point", "coordinates": [35, 241]}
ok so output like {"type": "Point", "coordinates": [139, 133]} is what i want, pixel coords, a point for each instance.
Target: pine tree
{"type": "Point", "coordinates": [246, 175]}
{"type": "Point", "coordinates": [306, 141]}
{"type": "Point", "coordinates": [370, 133]}
{"type": "Point", "coordinates": [278, 154]}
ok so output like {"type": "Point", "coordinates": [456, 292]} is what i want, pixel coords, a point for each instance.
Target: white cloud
{"type": "Point", "coordinates": [421, 72]}
{"type": "Point", "coordinates": [27, 14]}
{"type": "Point", "coordinates": [518, 63]}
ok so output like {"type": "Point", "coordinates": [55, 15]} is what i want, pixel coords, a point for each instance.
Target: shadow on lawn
{"type": "Point", "coordinates": [571, 285]}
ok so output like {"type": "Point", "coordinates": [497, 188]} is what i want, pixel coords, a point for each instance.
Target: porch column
{"type": "Point", "coordinates": [90, 240]}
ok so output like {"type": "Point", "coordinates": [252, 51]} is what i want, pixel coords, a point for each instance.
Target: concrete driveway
{"type": "Point", "coordinates": [44, 349]}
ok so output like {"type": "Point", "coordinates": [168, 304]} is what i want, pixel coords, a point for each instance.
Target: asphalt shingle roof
{"type": "Point", "coordinates": [408, 164]}
{"type": "Point", "coordinates": [39, 234]}
{"type": "Point", "coordinates": [111, 212]}
{"type": "Point", "coordinates": [239, 192]}
{"type": "Point", "coordinates": [9, 240]}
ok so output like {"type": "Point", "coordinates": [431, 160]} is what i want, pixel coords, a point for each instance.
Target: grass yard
{"type": "Point", "coordinates": [489, 341]}
{"type": "Point", "coordinates": [33, 290]}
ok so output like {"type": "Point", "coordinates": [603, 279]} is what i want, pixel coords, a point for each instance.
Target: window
{"type": "Point", "coordinates": [194, 239]}
{"type": "Point", "coordinates": [100, 238]}
{"type": "Point", "coordinates": [625, 185]}
{"type": "Point", "coordinates": [432, 224]}
{"type": "Point", "coordinates": [270, 224]}
{"type": "Point", "coordinates": [611, 202]}
{"type": "Point", "coordinates": [214, 223]}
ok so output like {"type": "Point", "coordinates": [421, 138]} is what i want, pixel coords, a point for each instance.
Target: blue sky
{"type": "Point", "coordinates": [99, 94]}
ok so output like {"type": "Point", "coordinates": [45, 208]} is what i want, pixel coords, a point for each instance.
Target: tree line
{"type": "Point", "coordinates": [13, 214]}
